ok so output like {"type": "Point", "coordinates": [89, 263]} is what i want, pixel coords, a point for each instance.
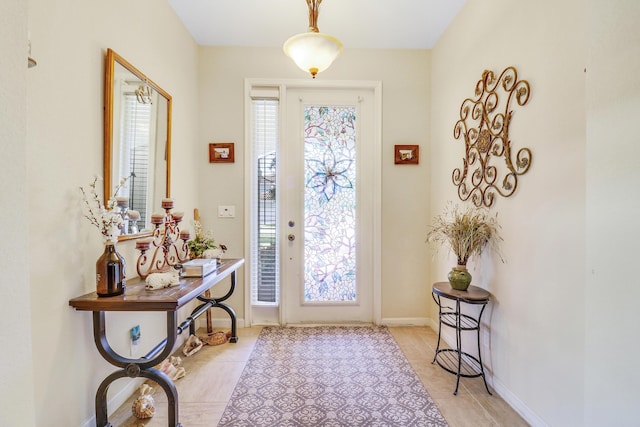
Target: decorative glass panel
{"type": "Point", "coordinates": [330, 204]}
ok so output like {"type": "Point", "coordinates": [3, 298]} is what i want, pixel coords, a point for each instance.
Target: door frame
{"type": "Point", "coordinates": [283, 85]}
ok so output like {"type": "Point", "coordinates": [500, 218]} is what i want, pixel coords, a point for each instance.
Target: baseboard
{"type": "Point", "coordinates": [499, 388]}
{"type": "Point", "coordinates": [449, 338]}
{"type": "Point", "coordinates": [392, 321]}
{"type": "Point", "coordinates": [518, 405]}
{"type": "Point", "coordinates": [220, 323]}
{"type": "Point", "coordinates": [266, 323]}
{"type": "Point", "coordinates": [406, 321]}
{"type": "Point", "coordinates": [118, 399]}
{"type": "Point", "coordinates": [434, 324]}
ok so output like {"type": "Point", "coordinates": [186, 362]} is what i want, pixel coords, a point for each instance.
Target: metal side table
{"type": "Point", "coordinates": [455, 360]}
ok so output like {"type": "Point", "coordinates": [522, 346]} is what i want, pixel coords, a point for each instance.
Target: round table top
{"type": "Point", "coordinates": [473, 294]}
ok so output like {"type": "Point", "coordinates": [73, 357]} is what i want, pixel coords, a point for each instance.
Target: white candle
{"type": "Point", "coordinates": [167, 203]}
{"type": "Point", "coordinates": [143, 244]}
{"type": "Point", "coordinates": [157, 218]}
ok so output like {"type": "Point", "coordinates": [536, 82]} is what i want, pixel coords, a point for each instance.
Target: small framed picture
{"type": "Point", "coordinates": [221, 152]}
{"type": "Point", "coordinates": [407, 154]}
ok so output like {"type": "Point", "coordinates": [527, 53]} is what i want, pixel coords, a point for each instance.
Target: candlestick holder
{"type": "Point", "coordinates": [122, 207]}
{"type": "Point", "coordinates": [134, 217]}
{"type": "Point", "coordinates": [167, 246]}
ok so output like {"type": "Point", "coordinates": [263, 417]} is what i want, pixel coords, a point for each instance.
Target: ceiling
{"type": "Point", "coordinates": [381, 24]}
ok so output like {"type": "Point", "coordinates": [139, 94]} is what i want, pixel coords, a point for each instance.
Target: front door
{"type": "Point", "coordinates": [328, 206]}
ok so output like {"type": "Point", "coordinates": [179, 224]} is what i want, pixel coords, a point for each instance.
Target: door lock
{"type": "Point", "coordinates": [291, 237]}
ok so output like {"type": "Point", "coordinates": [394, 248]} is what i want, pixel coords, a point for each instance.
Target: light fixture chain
{"type": "Point", "coordinates": [314, 6]}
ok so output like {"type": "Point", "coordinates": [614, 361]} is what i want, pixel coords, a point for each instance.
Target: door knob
{"type": "Point", "coordinates": [291, 237]}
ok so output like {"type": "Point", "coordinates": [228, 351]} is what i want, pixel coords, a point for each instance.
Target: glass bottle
{"type": "Point", "coordinates": [110, 272]}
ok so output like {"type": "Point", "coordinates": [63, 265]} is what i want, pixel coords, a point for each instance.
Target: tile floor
{"type": "Point", "coordinates": [213, 372]}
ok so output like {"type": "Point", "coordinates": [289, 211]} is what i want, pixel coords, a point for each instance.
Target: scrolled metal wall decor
{"type": "Point", "coordinates": [484, 125]}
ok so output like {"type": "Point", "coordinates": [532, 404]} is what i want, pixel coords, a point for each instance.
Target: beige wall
{"type": "Point", "coordinates": [65, 129]}
{"type": "Point", "coordinates": [405, 77]}
{"type": "Point", "coordinates": [613, 203]}
{"type": "Point", "coordinates": [536, 319]}
{"type": "Point", "coordinates": [560, 346]}
{"type": "Point", "coordinates": [16, 376]}
{"type": "Point", "coordinates": [553, 325]}
{"type": "Point", "coordinates": [64, 150]}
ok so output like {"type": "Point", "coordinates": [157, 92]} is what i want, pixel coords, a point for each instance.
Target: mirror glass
{"type": "Point", "coordinates": [137, 145]}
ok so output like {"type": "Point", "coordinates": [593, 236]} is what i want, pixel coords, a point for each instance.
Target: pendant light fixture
{"type": "Point", "coordinates": [313, 51]}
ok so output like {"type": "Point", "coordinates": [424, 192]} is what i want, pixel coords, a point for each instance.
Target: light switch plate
{"type": "Point", "coordinates": [226, 211]}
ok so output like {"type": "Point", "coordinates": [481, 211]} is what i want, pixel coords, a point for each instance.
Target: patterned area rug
{"type": "Point", "coordinates": [329, 376]}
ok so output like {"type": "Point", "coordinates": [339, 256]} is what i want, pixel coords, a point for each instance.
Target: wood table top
{"type": "Point", "coordinates": [137, 298]}
{"type": "Point", "coordinates": [473, 294]}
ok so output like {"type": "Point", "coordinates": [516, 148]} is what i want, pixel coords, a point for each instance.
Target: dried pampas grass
{"type": "Point", "coordinates": [467, 232]}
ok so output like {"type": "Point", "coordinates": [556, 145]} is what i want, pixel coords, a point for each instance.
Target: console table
{"type": "Point", "coordinates": [169, 300]}
{"type": "Point", "coordinates": [456, 361]}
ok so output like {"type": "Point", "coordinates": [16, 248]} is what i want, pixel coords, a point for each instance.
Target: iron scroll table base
{"type": "Point", "coordinates": [455, 360]}
{"type": "Point", "coordinates": [169, 300]}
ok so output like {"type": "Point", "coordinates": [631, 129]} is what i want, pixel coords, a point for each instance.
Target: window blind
{"type": "Point", "coordinates": [264, 242]}
{"type": "Point", "coordinates": [134, 154]}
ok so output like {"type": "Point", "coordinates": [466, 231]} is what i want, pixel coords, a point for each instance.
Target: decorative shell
{"type": "Point", "coordinates": [144, 405]}
{"type": "Point", "coordinates": [171, 367]}
{"type": "Point", "coordinates": [215, 338]}
{"type": "Point", "coordinates": [192, 346]}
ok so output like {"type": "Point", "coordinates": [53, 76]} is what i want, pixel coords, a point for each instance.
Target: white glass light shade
{"type": "Point", "coordinates": [313, 52]}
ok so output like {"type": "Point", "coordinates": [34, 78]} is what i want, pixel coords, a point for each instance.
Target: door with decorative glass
{"type": "Point", "coordinates": [328, 206]}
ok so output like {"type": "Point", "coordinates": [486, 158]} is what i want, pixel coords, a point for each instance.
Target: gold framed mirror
{"type": "Point", "coordinates": [137, 144]}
